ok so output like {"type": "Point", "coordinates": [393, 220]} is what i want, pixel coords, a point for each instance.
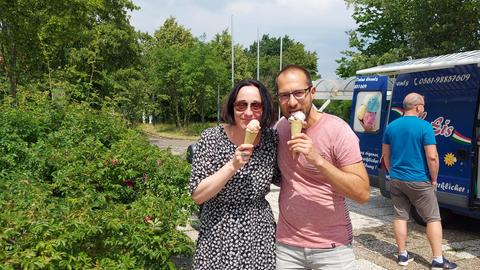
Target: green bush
{"type": "Point", "coordinates": [80, 190]}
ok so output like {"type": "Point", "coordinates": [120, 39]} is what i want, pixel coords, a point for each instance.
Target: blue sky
{"type": "Point", "coordinates": [319, 24]}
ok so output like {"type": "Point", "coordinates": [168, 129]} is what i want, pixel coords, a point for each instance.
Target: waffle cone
{"type": "Point", "coordinates": [296, 126]}
{"type": "Point", "coordinates": [249, 137]}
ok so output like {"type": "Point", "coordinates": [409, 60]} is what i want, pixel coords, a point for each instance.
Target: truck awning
{"type": "Point", "coordinates": [340, 89]}
{"type": "Point", "coordinates": [429, 63]}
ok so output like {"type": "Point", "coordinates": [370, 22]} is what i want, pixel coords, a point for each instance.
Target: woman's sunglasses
{"type": "Point", "coordinates": [243, 105]}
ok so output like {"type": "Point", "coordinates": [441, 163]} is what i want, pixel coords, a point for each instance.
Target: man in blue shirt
{"type": "Point", "coordinates": [410, 155]}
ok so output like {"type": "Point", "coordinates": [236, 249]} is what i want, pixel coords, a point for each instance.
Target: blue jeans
{"type": "Point", "coordinates": [291, 257]}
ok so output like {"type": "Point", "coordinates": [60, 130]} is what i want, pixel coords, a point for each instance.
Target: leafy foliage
{"type": "Point", "coordinates": [222, 43]}
{"type": "Point", "coordinates": [293, 53]}
{"type": "Point", "coordinates": [76, 40]}
{"type": "Point", "coordinates": [340, 108]}
{"type": "Point", "coordinates": [389, 31]}
{"type": "Point", "coordinates": [80, 190]}
{"type": "Point", "coordinates": [184, 75]}
{"type": "Point", "coordinates": [88, 51]}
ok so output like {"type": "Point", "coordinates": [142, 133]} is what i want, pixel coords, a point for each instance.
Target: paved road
{"type": "Point", "coordinates": [177, 146]}
{"type": "Point", "coordinates": [374, 244]}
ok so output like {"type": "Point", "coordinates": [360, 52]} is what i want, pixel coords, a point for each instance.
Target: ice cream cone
{"type": "Point", "coordinates": [295, 127]}
{"type": "Point", "coordinates": [250, 137]}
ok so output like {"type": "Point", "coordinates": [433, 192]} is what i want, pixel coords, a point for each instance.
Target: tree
{"type": "Point", "coordinates": [18, 28]}
{"type": "Point", "coordinates": [185, 80]}
{"type": "Point", "coordinates": [293, 53]}
{"type": "Point", "coordinates": [297, 54]}
{"type": "Point", "coordinates": [75, 40]}
{"type": "Point", "coordinates": [185, 72]}
{"type": "Point", "coordinates": [396, 30]}
{"type": "Point", "coordinates": [107, 43]}
{"type": "Point", "coordinates": [222, 42]}
{"type": "Point", "coordinates": [205, 75]}
{"type": "Point", "coordinates": [165, 58]}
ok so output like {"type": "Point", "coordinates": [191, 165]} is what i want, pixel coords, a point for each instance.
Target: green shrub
{"type": "Point", "coordinates": [80, 190]}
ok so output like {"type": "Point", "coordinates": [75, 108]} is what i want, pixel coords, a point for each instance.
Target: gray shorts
{"type": "Point", "coordinates": [419, 194]}
{"type": "Point", "coordinates": [290, 257]}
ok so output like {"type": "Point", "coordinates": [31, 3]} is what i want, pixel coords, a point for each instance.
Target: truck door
{"type": "Point", "coordinates": [367, 119]}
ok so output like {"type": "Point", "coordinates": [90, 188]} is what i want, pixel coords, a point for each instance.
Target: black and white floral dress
{"type": "Point", "coordinates": [237, 228]}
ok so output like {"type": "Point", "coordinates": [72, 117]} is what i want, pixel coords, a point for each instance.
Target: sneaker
{"type": "Point", "coordinates": [445, 265]}
{"type": "Point", "coordinates": [404, 260]}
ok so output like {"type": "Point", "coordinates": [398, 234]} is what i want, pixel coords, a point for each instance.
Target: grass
{"type": "Point", "coordinates": [190, 132]}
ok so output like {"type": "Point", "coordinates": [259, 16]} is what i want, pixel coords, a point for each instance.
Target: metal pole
{"type": "Point", "coordinates": [281, 52]}
{"type": "Point", "coordinates": [218, 105]}
{"type": "Point", "coordinates": [233, 54]}
{"type": "Point", "coordinates": [281, 56]}
{"type": "Point", "coordinates": [258, 56]}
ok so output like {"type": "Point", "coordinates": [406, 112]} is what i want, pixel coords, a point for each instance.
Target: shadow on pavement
{"type": "Point", "coordinates": [182, 262]}
{"type": "Point", "coordinates": [389, 251]}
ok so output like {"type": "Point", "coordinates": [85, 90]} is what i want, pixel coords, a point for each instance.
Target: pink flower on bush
{"type": "Point", "coordinates": [159, 162]}
{"type": "Point", "coordinates": [129, 183]}
{"type": "Point", "coordinates": [114, 162]}
{"type": "Point", "coordinates": [148, 219]}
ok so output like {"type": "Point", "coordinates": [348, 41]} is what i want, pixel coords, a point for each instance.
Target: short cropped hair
{"type": "Point", "coordinates": [293, 67]}
{"type": "Point", "coordinates": [411, 100]}
{"type": "Point", "coordinates": [268, 117]}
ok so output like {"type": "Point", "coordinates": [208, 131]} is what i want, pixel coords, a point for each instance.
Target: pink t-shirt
{"type": "Point", "coordinates": [312, 213]}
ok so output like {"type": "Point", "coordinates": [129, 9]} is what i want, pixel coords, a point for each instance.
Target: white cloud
{"type": "Point", "coordinates": [241, 7]}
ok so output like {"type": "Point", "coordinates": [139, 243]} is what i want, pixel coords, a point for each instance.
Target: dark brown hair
{"type": "Point", "coordinates": [268, 117]}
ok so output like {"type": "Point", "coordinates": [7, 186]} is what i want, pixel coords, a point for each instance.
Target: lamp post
{"type": "Point", "coordinates": [233, 54]}
{"type": "Point", "coordinates": [218, 105]}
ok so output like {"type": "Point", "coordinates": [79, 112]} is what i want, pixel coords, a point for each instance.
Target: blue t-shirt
{"type": "Point", "coordinates": [407, 136]}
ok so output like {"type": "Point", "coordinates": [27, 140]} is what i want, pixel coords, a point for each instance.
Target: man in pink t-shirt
{"type": "Point", "coordinates": [320, 167]}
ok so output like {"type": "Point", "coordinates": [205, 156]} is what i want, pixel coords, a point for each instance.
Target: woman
{"type": "Point", "coordinates": [231, 180]}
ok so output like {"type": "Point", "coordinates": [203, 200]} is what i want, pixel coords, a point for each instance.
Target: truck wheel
{"type": "Point", "coordinates": [418, 219]}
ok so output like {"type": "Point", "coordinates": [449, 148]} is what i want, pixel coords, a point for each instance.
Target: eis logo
{"type": "Point", "coordinates": [441, 127]}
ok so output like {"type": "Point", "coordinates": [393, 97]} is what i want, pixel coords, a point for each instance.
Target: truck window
{"type": "Point", "coordinates": [368, 112]}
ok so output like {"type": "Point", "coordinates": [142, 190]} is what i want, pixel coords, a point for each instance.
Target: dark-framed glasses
{"type": "Point", "coordinates": [241, 106]}
{"type": "Point", "coordinates": [298, 94]}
